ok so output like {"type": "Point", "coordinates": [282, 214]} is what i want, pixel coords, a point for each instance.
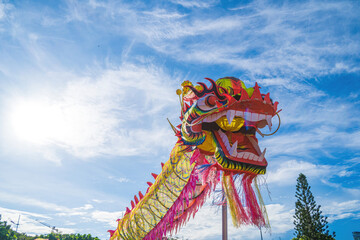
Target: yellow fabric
{"type": "Point", "coordinates": [159, 199]}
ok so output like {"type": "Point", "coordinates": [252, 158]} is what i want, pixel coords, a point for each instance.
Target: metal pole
{"type": "Point", "coordinates": [224, 222]}
{"type": "Point", "coordinates": [261, 234]}
{"type": "Point", "coordinates": [17, 225]}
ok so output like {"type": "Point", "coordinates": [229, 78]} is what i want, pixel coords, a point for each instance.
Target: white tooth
{"type": "Point", "coordinates": [230, 116]}
{"type": "Point", "coordinates": [247, 116]}
{"type": "Point", "coordinates": [262, 155]}
{"type": "Point", "coordinates": [254, 117]}
{"type": "Point", "coordinates": [239, 114]}
{"type": "Point", "coordinates": [216, 117]}
{"type": "Point", "coordinates": [255, 144]}
{"type": "Point", "coordinates": [240, 155]}
{"type": "Point", "coordinates": [246, 155]}
{"type": "Point", "coordinates": [261, 117]}
{"type": "Point", "coordinates": [268, 119]}
{"type": "Point", "coordinates": [233, 151]}
{"type": "Point", "coordinates": [227, 146]}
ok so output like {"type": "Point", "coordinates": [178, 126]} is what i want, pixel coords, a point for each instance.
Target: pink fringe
{"type": "Point", "coordinates": [243, 217]}
{"type": "Point", "coordinates": [253, 208]}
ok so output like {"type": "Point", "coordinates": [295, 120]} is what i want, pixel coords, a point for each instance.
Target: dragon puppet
{"type": "Point", "coordinates": [217, 146]}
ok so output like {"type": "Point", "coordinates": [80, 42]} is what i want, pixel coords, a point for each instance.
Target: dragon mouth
{"type": "Point", "coordinates": [247, 151]}
{"type": "Point", "coordinates": [236, 145]}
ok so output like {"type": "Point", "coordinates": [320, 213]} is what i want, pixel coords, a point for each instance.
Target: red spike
{"type": "Point", "coordinates": [244, 95]}
{"type": "Point", "coordinates": [187, 107]}
{"type": "Point", "coordinates": [154, 175]}
{"type": "Point", "coordinates": [256, 94]}
{"type": "Point", "coordinates": [111, 232]}
{"type": "Point", "coordinates": [127, 211]}
{"type": "Point", "coordinates": [218, 104]}
{"type": "Point", "coordinates": [267, 98]}
{"type": "Point", "coordinates": [141, 195]}
{"type": "Point", "coordinates": [118, 219]}
{"type": "Point", "coordinates": [162, 165]}
{"type": "Point", "coordinates": [230, 98]}
{"type": "Point", "coordinates": [275, 106]}
{"type": "Point", "coordinates": [149, 183]}
{"type": "Point", "coordinates": [136, 199]}
{"type": "Point", "coordinates": [179, 126]}
{"type": "Point", "coordinates": [132, 204]}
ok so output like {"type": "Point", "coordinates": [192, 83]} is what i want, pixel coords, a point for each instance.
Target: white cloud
{"type": "Point", "coordinates": [284, 43]}
{"type": "Point", "coordinates": [29, 222]}
{"type": "Point", "coordinates": [115, 112]}
{"type": "Point", "coordinates": [4, 7]}
{"type": "Point", "coordinates": [107, 217]}
{"type": "Point", "coordinates": [119, 179]}
{"type": "Point", "coordinates": [341, 210]}
{"type": "Point", "coordinates": [286, 172]}
{"type": "Point", "coordinates": [195, 4]}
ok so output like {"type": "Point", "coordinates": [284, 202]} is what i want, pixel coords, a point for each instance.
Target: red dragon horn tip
{"type": "Point", "coordinates": [149, 183]}
{"type": "Point", "coordinates": [127, 211]}
{"type": "Point", "coordinates": [276, 105]}
{"type": "Point", "coordinates": [154, 175]}
{"type": "Point", "coordinates": [111, 232]}
{"type": "Point", "coordinates": [136, 199]}
{"type": "Point", "coordinates": [244, 95]}
{"type": "Point", "coordinates": [267, 98]}
{"type": "Point", "coordinates": [256, 94]}
{"type": "Point", "coordinates": [132, 204]}
{"type": "Point", "coordinates": [141, 195]}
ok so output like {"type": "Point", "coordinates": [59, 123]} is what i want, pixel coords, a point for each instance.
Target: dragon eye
{"type": "Point", "coordinates": [207, 103]}
{"type": "Point", "coordinates": [210, 101]}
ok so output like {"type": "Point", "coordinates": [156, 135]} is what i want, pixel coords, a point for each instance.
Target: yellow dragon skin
{"type": "Point", "coordinates": [217, 143]}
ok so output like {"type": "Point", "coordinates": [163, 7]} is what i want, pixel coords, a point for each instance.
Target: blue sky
{"type": "Point", "coordinates": [86, 87]}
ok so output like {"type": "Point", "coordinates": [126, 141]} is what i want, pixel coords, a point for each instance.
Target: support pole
{"type": "Point", "coordinates": [17, 225]}
{"type": "Point", "coordinates": [224, 222]}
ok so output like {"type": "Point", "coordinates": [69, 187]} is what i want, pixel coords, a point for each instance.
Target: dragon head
{"type": "Point", "coordinates": [222, 121]}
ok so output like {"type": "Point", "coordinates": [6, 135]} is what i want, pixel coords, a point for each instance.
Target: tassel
{"type": "Point", "coordinates": [262, 204]}
{"type": "Point", "coordinates": [237, 211]}
{"type": "Point", "coordinates": [253, 209]}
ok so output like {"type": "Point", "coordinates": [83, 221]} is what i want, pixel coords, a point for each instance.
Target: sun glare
{"type": "Point", "coordinates": [37, 122]}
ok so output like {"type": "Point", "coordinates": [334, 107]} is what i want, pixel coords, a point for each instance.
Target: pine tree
{"type": "Point", "coordinates": [309, 222]}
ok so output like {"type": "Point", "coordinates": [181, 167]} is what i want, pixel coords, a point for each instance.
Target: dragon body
{"type": "Point", "coordinates": [216, 145]}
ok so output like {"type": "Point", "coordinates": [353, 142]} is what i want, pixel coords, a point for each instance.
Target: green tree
{"type": "Point", "coordinates": [5, 231]}
{"type": "Point", "coordinates": [309, 222]}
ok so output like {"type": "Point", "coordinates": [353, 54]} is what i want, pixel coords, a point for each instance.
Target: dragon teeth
{"type": "Point", "coordinates": [230, 116]}
{"type": "Point", "coordinates": [268, 120]}
{"type": "Point", "coordinates": [262, 155]}
{"type": "Point", "coordinates": [233, 151]}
